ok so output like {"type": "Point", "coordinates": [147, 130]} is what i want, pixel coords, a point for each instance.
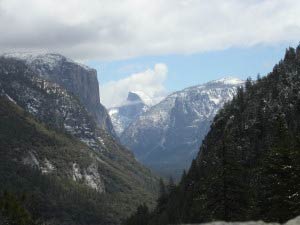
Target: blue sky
{"type": "Point", "coordinates": [191, 69]}
{"type": "Point", "coordinates": [155, 46]}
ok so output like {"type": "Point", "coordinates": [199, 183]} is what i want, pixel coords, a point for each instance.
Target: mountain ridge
{"type": "Point", "coordinates": [125, 114]}
{"type": "Point", "coordinates": [77, 78]}
{"type": "Point", "coordinates": [247, 168]}
{"type": "Point", "coordinates": [167, 129]}
{"type": "Point", "coordinates": [88, 156]}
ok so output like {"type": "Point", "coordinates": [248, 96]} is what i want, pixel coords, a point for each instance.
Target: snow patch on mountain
{"type": "Point", "coordinates": [169, 134]}
{"type": "Point", "coordinates": [144, 97]}
{"type": "Point", "coordinates": [49, 59]}
{"type": "Point", "coordinates": [229, 80]}
{"type": "Point", "coordinates": [124, 115]}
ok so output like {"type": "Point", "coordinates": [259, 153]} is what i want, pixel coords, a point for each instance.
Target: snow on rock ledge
{"type": "Point", "coordinates": [51, 59]}
{"type": "Point", "coordinates": [78, 79]}
{"type": "Point", "coordinates": [167, 136]}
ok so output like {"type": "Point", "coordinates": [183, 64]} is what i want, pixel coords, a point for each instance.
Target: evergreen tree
{"type": "Point", "coordinates": [141, 217]}
{"type": "Point", "coordinates": [281, 176]}
{"type": "Point", "coordinates": [248, 167]}
{"type": "Point", "coordinates": [171, 185]}
{"type": "Point", "coordinates": [163, 196]}
{"type": "Point", "coordinates": [248, 84]}
{"type": "Point", "coordinates": [13, 212]}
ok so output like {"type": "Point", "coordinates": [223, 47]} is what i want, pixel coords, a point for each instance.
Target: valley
{"type": "Point", "coordinates": [224, 150]}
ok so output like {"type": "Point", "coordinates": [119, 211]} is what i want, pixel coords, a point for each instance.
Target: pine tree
{"type": "Point", "coordinates": [248, 84]}
{"type": "Point", "coordinates": [281, 179]}
{"type": "Point", "coordinates": [12, 210]}
{"type": "Point", "coordinates": [163, 196]}
{"type": "Point", "coordinates": [171, 185]}
{"type": "Point", "coordinates": [248, 167]}
{"type": "Point", "coordinates": [141, 216]}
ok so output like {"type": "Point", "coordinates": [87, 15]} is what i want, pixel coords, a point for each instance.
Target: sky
{"type": "Point", "coordinates": [183, 70]}
{"type": "Point", "coordinates": [156, 46]}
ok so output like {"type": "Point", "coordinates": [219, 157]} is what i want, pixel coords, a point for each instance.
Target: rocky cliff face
{"type": "Point", "coordinates": [76, 78]}
{"type": "Point", "coordinates": [73, 147]}
{"type": "Point", "coordinates": [167, 137]}
{"type": "Point", "coordinates": [124, 115]}
{"type": "Point", "coordinates": [247, 167]}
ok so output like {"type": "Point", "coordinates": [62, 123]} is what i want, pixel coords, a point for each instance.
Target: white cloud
{"type": "Point", "coordinates": [149, 83]}
{"type": "Point", "coordinates": [115, 29]}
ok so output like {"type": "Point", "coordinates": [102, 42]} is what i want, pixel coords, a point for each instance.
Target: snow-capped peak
{"type": "Point", "coordinates": [123, 115]}
{"type": "Point", "coordinates": [168, 135]}
{"type": "Point", "coordinates": [144, 97]}
{"type": "Point", "coordinates": [27, 56]}
{"type": "Point", "coordinates": [51, 59]}
{"type": "Point", "coordinates": [133, 97]}
{"type": "Point", "coordinates": [229, 80]}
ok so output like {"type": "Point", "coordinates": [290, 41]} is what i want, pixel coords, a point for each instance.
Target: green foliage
{"type": "Point", "coordinates": [281, 174]}
{"type": "Point", "coordinates": [141, 216]}
{"type": "Point", "coordinates": [12, 210]}
{"type": "Point", "coordinates": [248, 166]}
{"type": "Point", "coordinates": [54, 197]}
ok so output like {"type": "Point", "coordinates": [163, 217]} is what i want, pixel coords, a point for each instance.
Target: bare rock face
{"type": "Point", "coordinates": [53, 105]}
{"type": "Point", "coordinates": [76, 78]}
{"type": "Point", "coordinates": [60, 137]}
{"type": "Point", "coordinates": [124, 115]}
{"type": "Point", "coordinates": [167, 136]}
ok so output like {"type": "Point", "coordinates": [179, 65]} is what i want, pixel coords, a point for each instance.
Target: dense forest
{"type": "Point", "coordinates": [53, 197]}
{"type": "Point", "coordinates": [248, 167]}
{"type": "Point", "coordinates": [28, 196]}
{"type": "Point", "coordinates": [53, 152]}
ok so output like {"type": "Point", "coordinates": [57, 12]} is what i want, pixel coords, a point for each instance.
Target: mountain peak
{"type": "Point", "coordinates": [147, 99]}
{"type": "Point", "coordinates": [123, 115]}
{"type": "Point", "coordinates": [166, 137]}
{"type": "Point", "coordinates": [76, 78]}
{"type": "Point", "coordinates": [42, 57]}
{"type": "Point", "coordinates": [133, 97]}
{"type": "Point", "coordinates": [228, 80]}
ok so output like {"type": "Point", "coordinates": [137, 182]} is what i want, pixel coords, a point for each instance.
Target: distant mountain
{"type": "Point", "coordinates": [124, 115]}
{"type": "Point", "coordinates": [76, 78]}
{"type": "Point", "coordinates": [53, 149]}
{"type": "Point", "coordinates": [248, 166]}
{"type": "Point", "coordinates": [167, 137]}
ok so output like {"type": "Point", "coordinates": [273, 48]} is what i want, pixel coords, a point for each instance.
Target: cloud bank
{"type": "Point", "coordinates": [118, 29]}
{"type": "Point", "coordinates": [148, 84]}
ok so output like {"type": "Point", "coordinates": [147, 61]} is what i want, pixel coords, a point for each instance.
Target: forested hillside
{"type": "Point", "coordinates": [54, 192]}
{"type": "Point", "coordinates": [53, 151]}
{"type": "Point", "coordinates": [248, 166]}
{"type": "Point", "coordinates": [167, 136]}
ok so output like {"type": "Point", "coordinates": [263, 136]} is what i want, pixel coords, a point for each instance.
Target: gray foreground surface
{"type": "Point", "coordinates": [295, 221]}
